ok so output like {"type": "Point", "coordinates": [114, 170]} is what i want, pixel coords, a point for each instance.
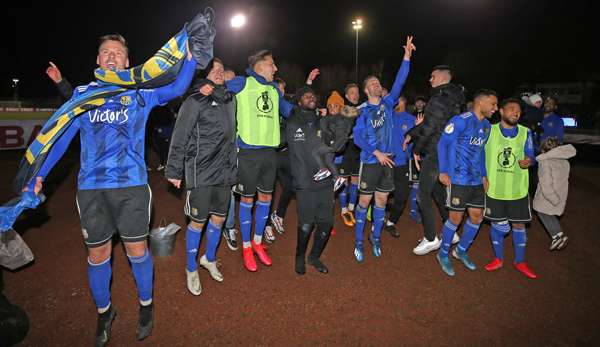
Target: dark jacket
{"type": "Point", "coordinates": [302, 132]}
{"type": "Point", "coordinates": [335, 130]}
{"type": "Point", "coordinates": [204, 141]}
{"type": "Point", "coordinates": [65, 89]}
{"type": "Point", "coordinates": [446, 101]}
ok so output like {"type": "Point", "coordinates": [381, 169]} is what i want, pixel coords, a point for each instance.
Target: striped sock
{"type": "Point", "coordinates": [192, 243]}
{"type": "Point", "coordinates": [468, 235]}
{"type": "Point", "coordinates": [519, 237]}
{"type": "Point", "coordinates": [447, 234]}
{"type": "Point", "coordinates": [360, 215]}
{"type": "Point", "coordinates": [497, 234]}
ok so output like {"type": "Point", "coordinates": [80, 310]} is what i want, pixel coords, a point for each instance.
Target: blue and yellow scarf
{"type": "Point", "coordinates": [157, 71]}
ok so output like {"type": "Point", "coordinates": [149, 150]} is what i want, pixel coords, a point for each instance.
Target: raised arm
{"type": "Point", "coordinates": [179, 86]}
{"type": "Point", "coordinates": [64, 87]}
{"type": "Point", "coordinates": [392, 97]}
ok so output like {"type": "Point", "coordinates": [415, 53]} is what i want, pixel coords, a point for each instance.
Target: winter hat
{"type": "Point", "coordinates": [335, 99]}
{"type": "Point", "coordinates": [534, 98]}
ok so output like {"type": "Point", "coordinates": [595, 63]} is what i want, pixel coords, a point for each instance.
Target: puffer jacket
{"type": "Point", "coordinates": [553, 186]}
{"type": "Point", "coordinates": [446, 101]}
{"type": "Point", "coordinates": [335, 130]}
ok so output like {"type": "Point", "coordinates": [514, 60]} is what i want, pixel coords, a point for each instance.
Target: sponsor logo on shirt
{"type": "Point", "coordinates": [477, 141]}
{"type": "Point", "coordinates": [126, 100]}
{"type": "Point", "coordinates": [449, 128]}
{"type": "Point", "coordinates": [299, 135]}
{"type": "Point", "coordinates": [119, 116]}
{"type": "Point", "coordinates": [379, 118]}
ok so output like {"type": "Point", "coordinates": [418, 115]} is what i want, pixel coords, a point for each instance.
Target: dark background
{"type": "Point", "coordinates": [489, 43]}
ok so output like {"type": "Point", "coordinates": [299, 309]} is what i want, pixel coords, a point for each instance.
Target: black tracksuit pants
{"type": "Point", "coordinates": [430, 186]}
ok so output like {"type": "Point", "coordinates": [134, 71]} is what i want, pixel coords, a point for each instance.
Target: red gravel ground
{"type": "Point", "coordinates": [399, 299]}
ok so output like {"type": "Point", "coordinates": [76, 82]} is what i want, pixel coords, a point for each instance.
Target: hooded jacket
{"type": "Point", "coordinates": [203, 145]}
{"type": "Point", "coordinates": [553, 186]}
{"type": "Point", "coordinates": [446, 101]}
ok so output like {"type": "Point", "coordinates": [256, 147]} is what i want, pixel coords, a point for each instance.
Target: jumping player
{"type": "Point", "coordinates": [374, 133]}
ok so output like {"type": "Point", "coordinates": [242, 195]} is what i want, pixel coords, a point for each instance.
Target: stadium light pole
{"type": "Point", "coordinates": [15, 88]}
{"type": "Point", "coordinates": [356, 25]}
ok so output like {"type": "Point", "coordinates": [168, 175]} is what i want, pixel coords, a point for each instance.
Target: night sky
{"type": "Point", "coordinates": [490, 43]}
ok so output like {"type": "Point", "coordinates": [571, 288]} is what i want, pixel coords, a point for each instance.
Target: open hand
{"type": "Point", "coordinates": [385, 159]}
{"type": "Point", "coordinates": [312, 76]}
{"type": "Point", "coordinates": [420, 119]}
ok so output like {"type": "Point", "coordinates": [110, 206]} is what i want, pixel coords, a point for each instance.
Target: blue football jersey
{"type": "Point", "coordinates": [113, 141]}
{"type": "Point", "coordinates": [461, 150]}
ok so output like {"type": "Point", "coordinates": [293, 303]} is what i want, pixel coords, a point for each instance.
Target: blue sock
{"type": "Point", "coordinates": [378, 218]}
{"type": "Point", "coordinates": [343, 198]}
{"type": "Point", "coordinates": [468, 235]}
{"type": "Point", "coordinates": [99, 278]}
{"type": "Point", "coordinates": [361, 216]}
{"type": "Point", "coordinates": [213, 236]}
{"type": "Point", "coordinates": [519, 237]}
{"type": "Point", "coordinates": [353, 194]}
{"type": "Point", "coordinates": [245, 220]}
{"type": "Point", "coordinates": [447, 234]}
{"type": "Point", "coordinates": [497, 234]}
{"type": "Point", "coordinates": [192, 243]}
{"type": "Point", "coordinates": [414, 208]}
{"type": "Point", "coordinates": [230, 223]}
{"type": "Point", "coordinates": [260, 217]}
{"type": "Point", "coordinates": [143, 272]}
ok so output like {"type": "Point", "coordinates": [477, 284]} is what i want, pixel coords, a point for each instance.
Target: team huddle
{"type": "Point", "coordinates": [236, 136]}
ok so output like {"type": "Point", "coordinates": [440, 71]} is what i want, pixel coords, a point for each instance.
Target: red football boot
{"type": "Point", "coordinates": [260, 252]}
{"type": "Point", "coordinates": [494, 265]}
{"type": "Point", "coordinates": [525, 270]}
{"type": "Point", "coordinates": [249, 262]}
